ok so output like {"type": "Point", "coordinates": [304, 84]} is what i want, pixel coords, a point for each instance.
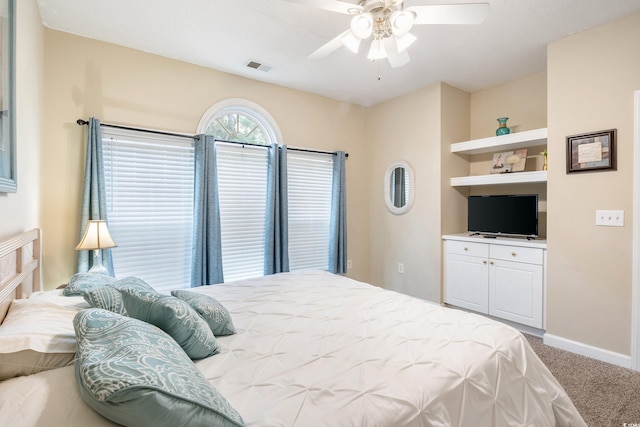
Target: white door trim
{"type": "Point", "coordinates": [635, 287]}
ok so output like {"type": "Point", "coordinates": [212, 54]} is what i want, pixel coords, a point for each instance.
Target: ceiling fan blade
{"type": "Point", "coordinates": [331, 5]}
{"type": "Point", "coordinates": [470, 13]}
{"type": "Point", "coordinates": [396, 59]}
{"type": "Point", "coordinates": [329, 47]}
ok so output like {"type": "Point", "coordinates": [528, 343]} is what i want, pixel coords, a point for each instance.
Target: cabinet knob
{"type": "Point", "coordinates": [513, 254]}
{"type": "Point", "coordinates": [466, 248]}
{"type": "Point", "coordinates": [484, 261]}
{"type": "Point", "coordinates": [491, 263]}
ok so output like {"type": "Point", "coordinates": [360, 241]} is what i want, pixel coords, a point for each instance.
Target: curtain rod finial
{"type": "Point", "coordinates": [82, 122]}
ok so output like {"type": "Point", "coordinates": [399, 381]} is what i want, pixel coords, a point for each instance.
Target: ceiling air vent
{"type": "Point", "coordinates": [258, 66]}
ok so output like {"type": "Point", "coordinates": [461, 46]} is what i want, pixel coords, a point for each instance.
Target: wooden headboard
{"type": "Point", "coordinates": [20, 261]}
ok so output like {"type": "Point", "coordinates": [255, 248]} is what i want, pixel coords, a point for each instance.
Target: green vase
{"type": "Point", "coordinates": [503, 129]}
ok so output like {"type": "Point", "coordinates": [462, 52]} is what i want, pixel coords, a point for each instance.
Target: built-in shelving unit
{"type": "Point", "coordinates": [513, 141]}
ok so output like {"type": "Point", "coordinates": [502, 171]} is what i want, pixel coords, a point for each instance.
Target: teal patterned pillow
{"type": "Point", "coordinates": [109, 297]}
{"type": "Point", "coordinates": [105, 297]}
{"type": "Point", "coordinates": [144, 380]}
{"type": "Point", "coordinates": [175, 317]}
{"type": "Point", "coordinates": [214, 313]}
{"type": "Point", "coordinates": [131, 282]}
{"type": "Point", "coordinates": [83, 281]}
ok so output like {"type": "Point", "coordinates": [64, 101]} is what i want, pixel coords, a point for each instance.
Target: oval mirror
{"type": "Point", "coordinates": [399, 187]}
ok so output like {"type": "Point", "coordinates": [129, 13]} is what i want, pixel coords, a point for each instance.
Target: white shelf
{"type": "Point", "coordinates": [509, 142]}
{"type": "Point", "coordinates": [503, 178]}
{"type": "Point", "coordinates": [512, 141]}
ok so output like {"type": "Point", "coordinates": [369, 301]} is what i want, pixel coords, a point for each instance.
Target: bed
{"type": "Point", "coordinates": [315, 349]}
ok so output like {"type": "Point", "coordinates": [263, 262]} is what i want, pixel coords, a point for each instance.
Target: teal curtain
{"type": "Point", "coordinates": [207, 244]}
{"type": "Point", "coordinates": [94, 198]}
{"type": "Point", "coordinates": [338, 227]}
{"type": "Point", "coordinates": [276, 248]}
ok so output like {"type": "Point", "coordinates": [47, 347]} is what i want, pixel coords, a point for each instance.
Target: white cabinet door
{"type": "Point", "coordinates": [467, 282]}
{"type": "Point", "coordinates": [516, 292]}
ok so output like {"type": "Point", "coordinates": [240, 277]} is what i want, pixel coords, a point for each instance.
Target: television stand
{"type": "Point", "coordinates": [502, 277]}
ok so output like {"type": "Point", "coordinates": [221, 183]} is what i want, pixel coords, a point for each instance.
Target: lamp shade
{"type": "Point", "coordinates": [401, 22]}
{"type": "Point", "coordinates": [377, 50]}
{"type": "Point", "coordinates": [96, 236]}
{"type": "Point", "coordinates": [362, 25]}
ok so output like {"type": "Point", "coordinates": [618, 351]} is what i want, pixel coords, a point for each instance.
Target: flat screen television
{"type": "Point", "coordinates": [508, 215]}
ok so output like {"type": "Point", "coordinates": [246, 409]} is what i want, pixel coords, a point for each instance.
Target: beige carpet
{"type": "Point", "coordinates": [604, 394]}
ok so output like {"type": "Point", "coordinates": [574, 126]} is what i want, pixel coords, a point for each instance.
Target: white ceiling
{"type": "Point", "coordinates": [226, 34]}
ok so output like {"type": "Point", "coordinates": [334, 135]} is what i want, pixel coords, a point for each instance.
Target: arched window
{"type": "Point", "coordinates": [242, 172]}
{"type": "Point", "coordinates": [242, 190]}
{"type": "Point", "coordinates": [240, 120]}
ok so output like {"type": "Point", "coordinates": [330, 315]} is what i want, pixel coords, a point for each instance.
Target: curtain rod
{"type": "Point", "coordinates": [82, 122]}
{"type": "Point", "coordinates": [304, 150]}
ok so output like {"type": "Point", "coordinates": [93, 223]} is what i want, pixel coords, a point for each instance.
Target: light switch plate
{"type": "Point", "coordinates": [610, 218]}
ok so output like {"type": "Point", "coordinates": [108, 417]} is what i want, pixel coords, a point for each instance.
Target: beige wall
{"type": "Point", "coordinates": [20, 211]}
{"type": "Point", "coordinates": [406, 128]}
{"type": "Point", "coordinates": [418, 128]}
{"type": "Point", "coordinates": [591, 79]}
{"type": "Point", "coordinates": [87, 78]}
{"type": "Point", "coordinates": [455, 121]}
{"type": "Point", "coordinates": [524, 101]}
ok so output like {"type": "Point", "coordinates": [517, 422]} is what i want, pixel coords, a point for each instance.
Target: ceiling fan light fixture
{"type": "Point", "coordinates": [362, 25]}
{"type": "Point", "coordinates": [401, 22]}
{"type": "Point", "coordinates": [377, 50]}
{"type": "Point", "coordinates": [386, 26]}
{"type": "Point", "coordinates": [404, 41]}
{"type": "Point", "coordinates": [351, 42]}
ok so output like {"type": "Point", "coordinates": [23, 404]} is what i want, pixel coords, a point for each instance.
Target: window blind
{"type": "Point", "coordinates": [149, 186]}
{"type": "Point", "coordinates": [242, 189]}
{"type": "Point", "coordinates": [309, 186]}
{"type": "Point", "coordinates": [149, 180]}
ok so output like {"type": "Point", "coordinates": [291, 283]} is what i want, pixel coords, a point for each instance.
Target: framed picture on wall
{"type": "Point", "coordinates": [592, 151]}
{"type": "Point", "coordinates": [8, 166]}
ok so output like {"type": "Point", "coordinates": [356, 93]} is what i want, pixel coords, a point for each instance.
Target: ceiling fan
{"type": "Point", "coordinates": [388, 25]}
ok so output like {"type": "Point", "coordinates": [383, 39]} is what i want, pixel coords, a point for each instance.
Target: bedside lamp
{"type": "Point", "coordinates": [96, 237]}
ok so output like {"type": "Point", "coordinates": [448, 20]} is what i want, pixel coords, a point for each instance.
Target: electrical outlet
{"type": "Point", "coordinates": [400, 267]}
{"type": "Point", "coordinates": [349, 264]}
{"type": "Point", "coordinates": [610, 218]}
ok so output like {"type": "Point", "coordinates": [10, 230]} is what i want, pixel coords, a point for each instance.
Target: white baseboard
{"type": "Point", "coordinates": [588, 350]}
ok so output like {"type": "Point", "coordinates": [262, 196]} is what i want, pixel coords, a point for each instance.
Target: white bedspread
{"type": "Point", "coordinates": [315, 349]}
